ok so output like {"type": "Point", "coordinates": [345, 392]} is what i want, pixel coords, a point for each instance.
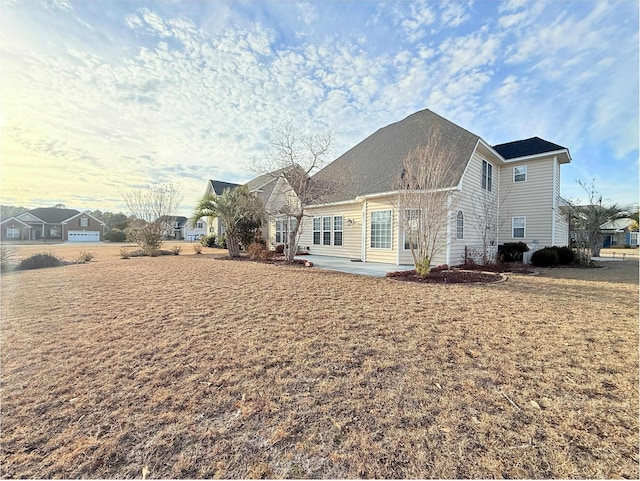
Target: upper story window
{"type": "Point", "coordinates": [200, 225]}
{"type": "Point", "coordinates": [520, 173]}
{"type": "Point", "coordinates": [84, 222]}
{"type": "Point", "coordinates": [487, 175]}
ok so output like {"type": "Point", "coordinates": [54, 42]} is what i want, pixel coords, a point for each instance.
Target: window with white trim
{"type": "Point", "coordinates": [84, 222]}
{"type": "Point", "coordinates": [633, 238]}
{"type": "Point", "coordinates": [487, 175]}
{"type": "Point", "coordinates": [281, 231]}
{"type": "Point", "coordinates": [326, 231]}
{"type": "Point", "coordinates": [518, 227]}
{"type": "Point", "coordinates": [13, 233]}
{"type": "Point", "coordinates": [520, 173]}
{"type": "Point", "coordinates": [337, 230]}
{"type": "Point", "coordinates": [381, 228]}
{"type": "Point", "coordinates": [317, 222]}
{"type": "Point", "coordinates": [412, 220]}
{"type": "Point", "coordinates": [460, 225]}
{"type": "Point", "coordinates": [55, 231]}
{"type": "Point", "coordinates": [199, 225]}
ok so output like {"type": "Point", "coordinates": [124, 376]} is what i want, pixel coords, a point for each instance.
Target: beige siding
{"type": "Point", "coordinates": [351, 230]}
{"type": "Point", "coordinates": [532, 199]}
{"type": "Point", "coordinates": [473, 200]}
{"type": "Point", "coordinates": [562, 224]}
{"type": "Point", "coordinates": [376, 254]}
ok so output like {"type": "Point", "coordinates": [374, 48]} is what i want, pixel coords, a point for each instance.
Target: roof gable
{"type": "Point", "coordinates": [15, 219]}
{"type": "Point", "coordinates": [526, 148]}
{"type": "Point", "coordinates": [49, 215]}
{"type": "Point", "coordinates": [219, 186]}
{"type": "Point", "coordinates": [372, 166]}
{"type": "Point", "coordinates": [86, 213]}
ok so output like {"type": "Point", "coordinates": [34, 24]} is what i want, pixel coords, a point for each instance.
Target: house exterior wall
{"type": "Point", "coordinates": [532, 199]}
{"type": "Point", "coordinates": [75, 224]}
{"type": "Point", "coordinates": [351, 230]}
{"type": "Point", "coordinates": [193, 233]}
{"type": "Point", "coordinates": [14, 226]}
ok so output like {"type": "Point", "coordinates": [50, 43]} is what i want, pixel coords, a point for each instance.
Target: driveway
{"type": "Point", "coordinates": [342, 264]}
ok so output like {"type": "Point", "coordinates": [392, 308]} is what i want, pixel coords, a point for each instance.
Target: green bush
{"type": "Point", "coordinates": [547, 257]}
{"type": "Point", "coordinates": [512, 251]}
{"type": "Point", "coordinates": [39, 261]}
{"type": "Point", "coordinates": [222, 241]}
{"type": "Point", "coordinates": [566, 255]}
{"type": "Point", "coordinates": [116, 235]}
{"type": "Point", "coordinates": [208, 240]}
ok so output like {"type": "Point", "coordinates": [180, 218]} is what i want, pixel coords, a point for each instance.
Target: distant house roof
{"type": "Point", "coordinates": [373, 165]}
{"type": "Point", "coordinates": [52, 215]}
{"type": "Point", "coordinates": [219, 186]}
{"type": "Point", "coordinates": [617, 224]}
{"type": "Point", "coordinates": [527, 147]}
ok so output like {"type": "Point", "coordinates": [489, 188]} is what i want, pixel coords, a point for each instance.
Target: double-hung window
{"type": "Point", "coordinates": [518, 226]}
{"type": "Point", "coordinates": [281, 231]}
{"type": "Point", "coordinates": [84, 222]}
{"type": "Point", "coordinates": [326, 231]}
{"type": "Point", "coordinates": [316, 230]}
{"type": "Point", "coordinates": [13, 232]}
{"type": "Point", "coordinates": [520, 173]}
{"type": "Point", "coordinates": [487, 175]}
{"type": "Point", "coordinates": [412, 226]}
{"type": "Point", "coordinates": [337, 230]}
{"type": "Point", "coordinates": [381, 229]}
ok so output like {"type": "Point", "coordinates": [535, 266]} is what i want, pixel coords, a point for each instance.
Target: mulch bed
{"type": "Point", "coordinates": [449, 276]}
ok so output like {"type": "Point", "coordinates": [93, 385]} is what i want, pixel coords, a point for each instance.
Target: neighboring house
{"type": "Point", "coordinates": [53, 223]}
{"type": "Point", "coordinates": [620, 232]}
{"type": "Point", "coordinates": [173, 227]}
{"type": "Point", "coordinates": [360, 218]}
{"type": "Point", "coordinates": [216, 188]}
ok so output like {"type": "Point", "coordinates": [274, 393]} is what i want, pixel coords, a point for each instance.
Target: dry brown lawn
{"type": "Point", "coordinates": [192, 366]}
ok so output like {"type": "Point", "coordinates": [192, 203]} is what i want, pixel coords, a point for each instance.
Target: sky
{"type": "Point", "coordinates": [102, 97]}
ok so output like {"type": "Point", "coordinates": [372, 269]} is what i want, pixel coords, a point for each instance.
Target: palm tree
{"type": "Point", "coordinates": [232, 207]}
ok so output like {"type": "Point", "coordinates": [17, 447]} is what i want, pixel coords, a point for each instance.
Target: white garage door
{"type": "Point", "coordinates": [84, 236]}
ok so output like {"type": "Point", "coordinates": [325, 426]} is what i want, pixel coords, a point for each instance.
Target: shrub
{"type": "Point", "coordinates": [7, 259]}
{"type": "Point", "coordinates": [566, 255]}
{"type": "Point", "coordinates": [208, 240]}
{"type": "Point", "coordinates": [39, 261]}
{"type": "Point", "coordinates": [512, 251]}
{"type": "Point", "coordinates": [197, 248]}
{"type": "Point", "coordinates": [547, 257]}
{"type": "Point", "coordinates": [116, 235]}
{"type": "Point", "coordinates": [175, 250]}
{"type": "Point", "coordinates": [258, 252]}
{"type": "Point", "coordinates": [84, 257]}
{"type": "Point", "coordinates": [222, 241]}
{"type": "Point", "coordinates": [280, 249]}
{"type": "Point", "coordinates": [124, 253]}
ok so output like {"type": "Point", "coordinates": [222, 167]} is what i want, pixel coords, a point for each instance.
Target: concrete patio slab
{"type": "Point", "coordinates": [342, 264]}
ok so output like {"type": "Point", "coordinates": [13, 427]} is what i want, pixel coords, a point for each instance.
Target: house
{"type": "Point", "coordinates": [216, 188]}
{"type": "Point", "coordinates": [53, 223]}
{"type": "Point", "coordinates": [173, 226]}
{"type": "Point", "coordinates": [517, 182]}
{"type": "Point", "coordinates": [193, 232]}
{"type": "Point", "coordinates": [620, 232]}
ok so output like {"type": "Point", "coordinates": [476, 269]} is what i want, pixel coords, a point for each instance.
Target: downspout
{"type": "Point", "coordinates": [363, 249]}
{"type": "Point", "coordinates": [554, 202]}
{"type": "Point", "coordinates": [448, 254]}
{"type": "Point", "coordinates": [398, 239]}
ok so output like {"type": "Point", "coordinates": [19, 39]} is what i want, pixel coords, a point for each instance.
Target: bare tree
{"type": "Point", "coordinates": [588, 218]}
{"type": "Point", "coordinates": [152, 208]}
{"type": "Point", "coordinates": [294, 157]}
{"type": "Point", "coordinates": [424, 202]}
{"type": "Point", "coordinates": [486, 207]}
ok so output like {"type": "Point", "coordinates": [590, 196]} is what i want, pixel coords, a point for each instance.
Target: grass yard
{"type": "Point", "coordinates": [192, 366]}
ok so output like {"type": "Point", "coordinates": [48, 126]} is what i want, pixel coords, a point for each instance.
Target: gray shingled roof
{"type": "Point", "coordinates": [526, 147]}
{"type": "Point", "coordinates": [373, 165]}
{"type": "Point", "coordinates": [219, 186]}
{"type": "Point", "coordinates": [53, 215]}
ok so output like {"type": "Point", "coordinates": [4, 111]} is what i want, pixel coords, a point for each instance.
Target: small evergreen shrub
{"type": "Point", "coordinates": [39, 261]}
{"type": "Point", "coordinates": [116, 235]}
{"type": "Point", "coordinates": [566, 255]}
{"type": "Point", "coordinates": [280, 249]}
{"type": "Point", "coordinates": [547, 257]}
{"type": "Point", "coordinates": [208, 240]}
{"type": "Point", "coordinates": [512, 251]}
